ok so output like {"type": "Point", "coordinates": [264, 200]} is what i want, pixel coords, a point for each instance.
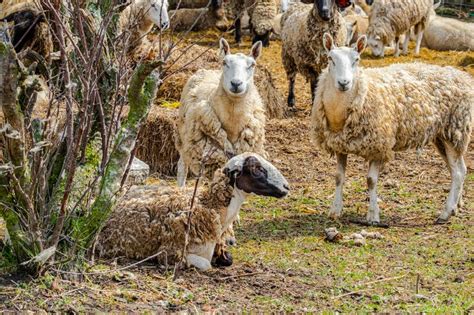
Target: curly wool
{"type": "Point", "coordinates": [209, 118]}
{"type": "Point", "coordinates": [153, 219]}
{"type": "Point", "coordinates": [390, 19]}
{"type": "Point", "coordinates": [302, 39]}
{"type": "Point", "coordinates": [395, 108]}
{"type": "Point", "coordinates": [262, 13]}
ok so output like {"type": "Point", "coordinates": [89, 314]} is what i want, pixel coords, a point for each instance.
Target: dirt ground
{"type": "Point", "coordinates": [282, 262]}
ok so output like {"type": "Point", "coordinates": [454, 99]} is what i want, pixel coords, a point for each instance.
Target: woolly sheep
{"type": "Point", "coordinates": [392, 19]}
{"type": "Point", "coordinates": [443, 33]}
{"type": "Point", "coordinates": [138, 18]}
{"type": "Point", "coordinates": [365, 5]}
{"type": "Point", "coordinates": [375, 112]}
{"type": "Point", "coordinates": [356, 26]}
{"type": "Point", "coordinates": [302, 31]}
{"type": "Point", "coordinates": [198, 19]}
{"type": "Point", "coordinates": [153, 219]}
{"type": "Point", "coordinates": [220, 112]}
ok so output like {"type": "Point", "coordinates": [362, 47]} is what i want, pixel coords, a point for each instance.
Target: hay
{"type": "Point", "coordinates": [198, 57]}
{"type": "Point", "coordinates": [156, 141]}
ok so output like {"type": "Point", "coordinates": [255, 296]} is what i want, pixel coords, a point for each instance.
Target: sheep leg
{"type": "Point", "coordinates": [291, 90]}
{"type": "Point", "coordinates": [405, 43]}
{"type": "Point", "coordinates": [182, 172]}
{"type": "Point", "coordinates": [373, 215]}
{"type": "Point", "coordinates": [419, 37]}
{"type": "Point", "coordinates": [199, 262]}
{"type": "Point", "coordinates": [238, 30]}
{"type": "Point", "coordinates": [336, 207]}
{"type": "Point", "coordinates": [314, 86]}
{"type": "Point", "coordinates": [397, 47]}
{"type": "Point", "coordinates": [458, 173]}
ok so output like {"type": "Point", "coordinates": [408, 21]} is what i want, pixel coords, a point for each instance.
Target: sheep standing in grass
{"type": "Point", "coordinates": [373, 113]}
{"type": "Point", "coordinates": [220, 112]}
{"type": "Point", "coordinates": [303, 26]}
{"type": "Point", "coordinates": [139, 17]}
{"type": "Point", "coordinates": [443, 33]}
{"type": "Point", "coordinates": [153, 219]}
{"type": "Point", "coordinates": [389, 20]}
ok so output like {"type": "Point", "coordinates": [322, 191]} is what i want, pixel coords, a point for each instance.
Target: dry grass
{"type": "Point", "coordinates": [282, 262]}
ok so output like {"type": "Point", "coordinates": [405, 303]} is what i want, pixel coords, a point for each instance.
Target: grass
{"type": "Point", "coordinates": [282, 262]}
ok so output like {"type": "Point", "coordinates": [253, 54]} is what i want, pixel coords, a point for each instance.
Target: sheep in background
{"type": "Point", "coordinates": [302, 31]}
{"type": "Point", "coordinates": [392, 19]}
{"type": "Point", "coordinates": [221, 111]}
{"type": "Point", "coordinates": [356, 26]}
{"type": "Point", "coordinates": [200, 18]}
{"type": "Point", "coordinates": [153, 219]}
{"type": "Point", "coordinates": [365, 5]}
{"type": "Point", "coordinates": [138, 18]}
{"type": "Point", "coordinates": [375, 112]}
{"type": "Point", "coordinates": [443, 33]}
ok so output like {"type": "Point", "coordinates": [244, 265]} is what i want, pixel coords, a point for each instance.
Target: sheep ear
{"type": "Point", "coordinates": [328, 42]}
{"type": "Point", "coordinates": [361, 43]}
{"type": "Point", "coordinates": [354, 23]}
{"type": "Point", "coordinates": [437, 5]}
{"type": "Point", "coordinates": [224, 48]}
{"type": "Point", "coordinates": [256, 50]}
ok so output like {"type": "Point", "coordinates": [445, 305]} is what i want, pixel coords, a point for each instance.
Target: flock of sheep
{"type": "Point", "coordinates": [371, 113]}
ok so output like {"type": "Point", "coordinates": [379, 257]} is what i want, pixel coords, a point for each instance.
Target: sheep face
{"type": "Point", "coordinates": [324, 8]}
{"type": "Point", "coordinates": [351, 28]}
{"type": "Point", "coordinates": [376, 44]}
{"type": "Point", "coordinates": [158, 13]}
{"type": "Point", "coordinates": [238, 69]}
{"type": "Point", "coordinates": [251, 173]}
{"type": "Point", "coordinates": [343, 62]}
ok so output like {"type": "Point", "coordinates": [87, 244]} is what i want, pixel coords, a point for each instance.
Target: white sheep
{"type": "Point", "coordinates": [221, 111]}
{"type": "Point", "coordinates": [303, 26]}
{"type": "Point", "coordinates": [356, 26]}
{"type": "Point", "coordinates": [375, 112]}
{"type": "Point", "coordinates": [153, 219]}
{"type": "Point", "coordinates": [389, 20]}
{"type": "Point", "coordinates": [138, 19]}
{"type": "Point", "coordinates": [443, 33]}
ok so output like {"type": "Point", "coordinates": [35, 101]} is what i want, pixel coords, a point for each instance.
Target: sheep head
{"type": "Point", "coordinates": [343, 61]}
{"type": "Point", "coordinates": [251, 173]}
{"type": "Point", "coordinates": [238, 69]}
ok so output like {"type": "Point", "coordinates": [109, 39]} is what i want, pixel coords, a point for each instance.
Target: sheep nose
{"type": "Point", "coordinates": [343, 84]}
{"type": "Point", "coordinates": [325, 14]}
{"type": "Point", "coordinates": [164, 25]}
{"type": "Point", "coordinates": [236, 83]}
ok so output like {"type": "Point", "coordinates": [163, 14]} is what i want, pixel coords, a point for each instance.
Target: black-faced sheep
{"type": "Point", "coordinates": [375, 112]}
{"type": "Point", "coordinates": [221, 111]}
{"type": "Point", "coordinates": [153, 219]}
{"type": "Point", "coordinates": [303, 26]}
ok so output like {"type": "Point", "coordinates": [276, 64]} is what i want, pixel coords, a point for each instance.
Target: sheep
{"type": "Point", "coordinates": [198, 19]}
{"type": "Point", "coordinates": [302, 31]}
{"type": "Point", "coordinates": [356, 26]}
{"type": "Point", "coordinates": [153, 219]}
{"type": "Point", "coordinates": [221, 112]}
{"type": "Point", "coordinates": [375, 112]}
{"type": "Point", "coordinates": [392, 19]}
{"type": "Point", "coordinates": [138, 18]}
{"type": "Point", "coordinates": [261, 13]}
{"type": "Point", "coordinates": [365, 5]}
{"type": "Point", "coordinates": [443, 33]}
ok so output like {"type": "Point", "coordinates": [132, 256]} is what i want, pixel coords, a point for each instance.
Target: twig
{"type": "Point", "coordinates": [417, 288]}
{"type": "Point", "coordinates": [242, 275]}
{"type": "Point", "coordinates": [351, 293]}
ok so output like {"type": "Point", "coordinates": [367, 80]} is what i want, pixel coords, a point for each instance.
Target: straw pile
{"type": "Point", "coordinates": [156, 141]}
{"type": "Point", "coordinates": [198, 57]}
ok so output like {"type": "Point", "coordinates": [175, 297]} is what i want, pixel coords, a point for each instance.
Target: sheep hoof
{"type": "Point", "coordinates": [335, 215]}
{"type": "Point", "coordinates": [441, 221]}
{"type": "Point", "coordinates": [224, 260]}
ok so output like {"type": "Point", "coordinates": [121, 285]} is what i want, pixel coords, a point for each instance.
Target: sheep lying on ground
{"type": "Point", "coordinates": [153, 219]}
{"type": "Point", "coordinates": [375, 112]}
{"type": "Point", "coordinates": [220, 112]}
{"type": "Point", "coordinates": [443, 33]}
{"type": "Point", "coordinates": [198, 19]}
{"type": "Point", "coordinates": [390, 20]}
{"type": "Point", "coordinates": [302, 32]}
{"type": "Point", "coordinates": [138, 18]}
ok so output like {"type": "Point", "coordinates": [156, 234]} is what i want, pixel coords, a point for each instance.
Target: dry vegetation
{"type": "Point", "coordinates": [281, 262]}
